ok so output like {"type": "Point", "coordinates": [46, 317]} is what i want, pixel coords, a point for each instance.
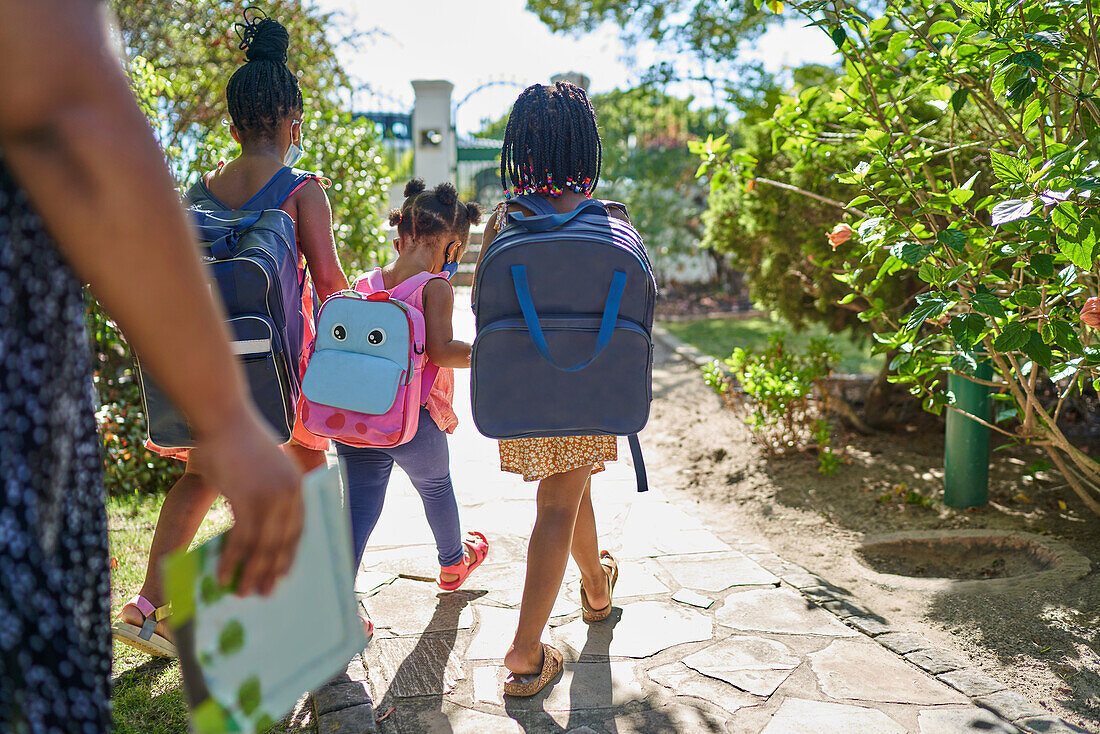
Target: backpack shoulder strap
{"type": "Point", "coordinates": [199, 196]}
{"type": "Point", "coordinates": [413, 284]}
{"type": "Point", "coordinates": [639, 465]}
{"type": "Point", "coordinates": [535, 203]}
{"type": "Point", "coordinates": [370, 282]}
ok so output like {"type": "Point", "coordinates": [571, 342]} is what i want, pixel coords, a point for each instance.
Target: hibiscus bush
{"type": "Point", "coordinates": [978, 162]}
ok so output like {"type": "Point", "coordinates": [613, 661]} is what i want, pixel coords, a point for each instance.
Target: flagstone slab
{"type": "Point", "coordinates": [496, 628]}
{"type": "Point", "coordinates": [412, 607]}
{"type": "Point", "coordinates": [962, 720]}
{"type": "Point", "coordinates": [717, 571]}
{"type": "Point", "coordinates": [451, 719]}
{"type": "Point", "coordinates": [581, 687]}
{"type": "Point", "coordinates": [802, 716]}
{"type": "Point", "coordinates": [368, 582]}
{"type": "Point", "coordinates": [691, 598]}
{"type": "Point", "coordinates": [659, 528]}
{"type": "Point", "coordinates": [636, 578]}
{"type": "Point", "coordinates": [637, 630]}
{"type": "Point", "coordinates": [686, 682]}
{"type": "Point", "coordinates": [752, 664]}
{"type": "Point", "coordinates": [404, 667]}
{"type": "Point", "coordinates": [418, 559]}
{"type": "Point", "coordinates": [672, 718]}
{"type": "Point", "coordinates": [779, 610]}
{"type": "Point", "coordinates": [503, 585]}
{"type": "Point", "coordinates": [863, 671]}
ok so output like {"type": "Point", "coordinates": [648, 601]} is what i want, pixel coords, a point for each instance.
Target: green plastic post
{"type": "Point", "coordinates": [966, 452]}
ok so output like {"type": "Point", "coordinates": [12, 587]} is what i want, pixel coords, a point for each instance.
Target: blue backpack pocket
{"type": "Point", "coordinates": [351, 381]}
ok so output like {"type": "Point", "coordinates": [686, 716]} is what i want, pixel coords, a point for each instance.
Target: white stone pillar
{"type": "Point", "coordinates": [573, 77]}
{"type": "Point", "coordinates": [435, 150]}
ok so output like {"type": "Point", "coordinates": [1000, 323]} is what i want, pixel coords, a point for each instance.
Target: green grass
{"type": "Point", "coordinates": [148, 691]}
{"type": "Point", "coordinates": [719, 337]}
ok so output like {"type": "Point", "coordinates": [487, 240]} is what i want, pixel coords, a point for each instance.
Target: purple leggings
{"type": "Point", "coordinates": [426, 460]}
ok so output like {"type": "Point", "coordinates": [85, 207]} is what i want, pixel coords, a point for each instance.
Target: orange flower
{"type": "Point", "coordinates": [841, 233]}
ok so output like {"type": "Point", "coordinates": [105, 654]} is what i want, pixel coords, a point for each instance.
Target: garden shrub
{"type": "Point", "coordinates": [976, 125]}
{"type": "Point", "coordinates": [787, 410]}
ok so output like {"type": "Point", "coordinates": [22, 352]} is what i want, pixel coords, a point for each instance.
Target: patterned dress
{"type": "Point", "coordinates": [55, 649]}
{"type": "Point", "coordinates": [538, 458]}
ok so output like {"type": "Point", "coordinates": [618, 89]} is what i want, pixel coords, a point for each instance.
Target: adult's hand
{"type": "Point", "coordinates": [262, 485]}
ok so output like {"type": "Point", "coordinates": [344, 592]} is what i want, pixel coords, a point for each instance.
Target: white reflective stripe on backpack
{"type": "Point", "coordinates": [244, 347]}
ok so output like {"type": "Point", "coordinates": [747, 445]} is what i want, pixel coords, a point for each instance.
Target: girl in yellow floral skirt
{"type": "Point", "coordinates": [552, 137]}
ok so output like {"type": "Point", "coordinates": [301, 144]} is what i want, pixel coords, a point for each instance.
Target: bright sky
{"type": "Point", "coordinates": [502, 42]}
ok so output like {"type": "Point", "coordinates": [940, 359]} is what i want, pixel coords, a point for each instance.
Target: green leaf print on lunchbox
{"type": "Point", "coordinates": [247, 660]}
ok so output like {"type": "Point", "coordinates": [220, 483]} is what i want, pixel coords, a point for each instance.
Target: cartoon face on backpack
{"type": "Point", "coordinates": [376, 329]}
{"type": "Point", "coordinates": [361, 355]}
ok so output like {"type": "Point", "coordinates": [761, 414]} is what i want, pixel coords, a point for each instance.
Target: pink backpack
{"type": "Point", "coordinates": [368, 373]}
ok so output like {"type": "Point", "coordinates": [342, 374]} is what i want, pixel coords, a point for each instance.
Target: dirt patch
{"type": "Point", "coordinates": [1044, 642]}
{"type": "Point", "coordinates": [955, 557]}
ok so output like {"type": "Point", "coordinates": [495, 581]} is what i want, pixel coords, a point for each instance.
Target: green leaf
{"type": "Point", "coordinates": [1011, 210]}
{"type": "Point", "coordinates": [1080, 248]}
{"type": "Point", "coordinates": [951, 277]}
{"type": "Point", "coordinates": [987, 303]}
{"type": "Point", "coordinates": [249, 695]}
{"type": "Point", "coordinates": [839, 36]}
{"type": "Point", "coordinates": [942, 26]}
{"type": "Point", "coordinates": [929, 306]}
{"type": "Point", "coordinates": [1066, 217]}
{"type": "Point", "coordinates": [776, 6]}
{"type": "Point", "coordinates": [1033, 112]}
{"type": "Point", "coordinates": [958, 99]}
{"type": "Point", "coordinates": [1037, 350]}
{"type": "Point", "coordinates": [966, 328]}
{"type": "Point", "coordinates": [1042, 264]}
{"type": "Point", "coordinates": [897, 43]}
{"type": "Point", "coordinates": [1021, 90]}
{"type": "Point", "coordinates": [231, 638]}
{"type": "Point", "coordinates": [960, 196]}
{"type": "Point", "coordinates": [1009, 169]}
{"type": "Point", "coordinates": [1066, 337]}
{"type": "Point", "coordinates": [1029, 59]}
{"type": "Point", "coordinates": [911, 252]}
{"type": "Point", "coordinates": [1014, 336]}
{"type": "Point", "coordinates": [953, 238]}
{"type": "Point", "coordinates": [964, 362]}
{"type": "Point", "coordinates": [1028, 297]}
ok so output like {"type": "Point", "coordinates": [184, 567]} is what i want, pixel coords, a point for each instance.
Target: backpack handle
{"type": "Point", "coordinates": [223, 237]}
{"type": "Point", "coordinates": [530, 315]}
{"type": "Point", "coordinates": [547, 222]}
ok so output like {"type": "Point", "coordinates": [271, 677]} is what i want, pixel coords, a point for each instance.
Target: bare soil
{"type": "Point", "coordinates": [1046, 645]}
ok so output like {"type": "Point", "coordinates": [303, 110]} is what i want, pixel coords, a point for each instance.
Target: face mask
{"type": "Point", "coordinates": [449, 269]}
{"type": "Point", "coordinates": [293, 154]}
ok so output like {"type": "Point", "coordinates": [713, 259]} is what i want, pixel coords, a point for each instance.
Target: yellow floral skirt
{"type": "Point", "coordinates": [538, 458]}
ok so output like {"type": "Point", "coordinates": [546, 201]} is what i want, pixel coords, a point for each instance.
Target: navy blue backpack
{"type": "Point", "coordinates": [252, 262]}
{"type": "Point", "coordinates": [564, 315]}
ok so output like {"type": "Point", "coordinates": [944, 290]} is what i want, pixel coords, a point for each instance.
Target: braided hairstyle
{"type": "Point", "coordinates": [263, 92]}
{"type": "Point", "coordinates": [551, 143]}
{"type": "Point", "coordinates": [427, 213]}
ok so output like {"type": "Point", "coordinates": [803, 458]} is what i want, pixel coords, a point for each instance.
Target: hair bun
{"type": "Point", "coordinates": [446, 193]}
{"type": "Point", "coordinates": [263, 39]}
{"type": "Point", "coordinates": [414, 186]}
{"type": "Point", "coordinates": [395, 217]}
{"type": "Point", "coordinates": [473, 212]}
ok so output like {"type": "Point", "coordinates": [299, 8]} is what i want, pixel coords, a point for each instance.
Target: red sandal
{"type": "Point", "coordinates": [478, 547]}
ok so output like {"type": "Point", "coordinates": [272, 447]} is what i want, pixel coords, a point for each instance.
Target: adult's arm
{"type": "Point", "coordinates": [73, 136]}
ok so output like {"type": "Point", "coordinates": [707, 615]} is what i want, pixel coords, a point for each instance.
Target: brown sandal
{"type": "Point", "coordinates": [529, 685]}
{"type": "Point", "coordinates": [611, 568]}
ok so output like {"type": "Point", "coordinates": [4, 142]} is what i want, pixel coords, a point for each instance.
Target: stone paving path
{"type": "Point", "coordinates": [705, 637]}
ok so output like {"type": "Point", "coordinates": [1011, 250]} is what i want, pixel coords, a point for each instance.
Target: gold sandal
{"type": "Point", "coordinates": [611, 568]}
{"type": "Point", "coordinates": [529, 685]}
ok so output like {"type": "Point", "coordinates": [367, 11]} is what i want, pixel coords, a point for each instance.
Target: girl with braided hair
{"type": "Point", "coordinates": [433, 230]}
{"type": "Point", "coordinates": [552, 151]}
{"type": "Point", "coordinates": [265, 106]}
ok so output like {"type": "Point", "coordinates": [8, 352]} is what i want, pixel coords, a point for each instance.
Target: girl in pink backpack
{"type": "Point", "coordinates": [433, 230]}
